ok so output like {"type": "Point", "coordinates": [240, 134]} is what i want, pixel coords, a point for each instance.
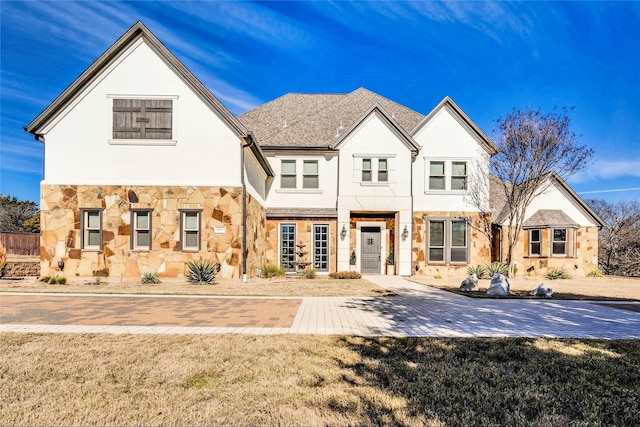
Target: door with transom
{"type": "Point", "coordinates": [370, 250]}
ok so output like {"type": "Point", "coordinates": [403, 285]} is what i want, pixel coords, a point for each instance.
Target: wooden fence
{"type": "Point", "coordinates": [21, 243]}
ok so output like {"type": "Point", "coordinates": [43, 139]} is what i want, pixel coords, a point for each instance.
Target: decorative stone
{"type": "Point", "coordinates": [470, 284]}
{"type": "Point", "coordinates": [499, 285]}
{"type": "Point", "coordinates": [542, 291]}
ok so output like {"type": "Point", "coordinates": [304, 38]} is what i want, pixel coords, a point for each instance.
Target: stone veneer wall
{"type": "Point", "coordinates": [585, 259]}
{"type": "Point", "coordinates": [480, 251]}
{"type": "Point", "coordinates": [304, 235]}
{"type": "Point", "coordinates": [256, 236]}
{"type": "Point", "coordinates": [221, 207]}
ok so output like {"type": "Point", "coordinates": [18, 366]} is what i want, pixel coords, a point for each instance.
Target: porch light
{"type": "Point", "coordinates": [61, 265]}
{"type": "Point", "coordinates": [343, 233]}
{"type": "Point", "coordinates": [405, 233]}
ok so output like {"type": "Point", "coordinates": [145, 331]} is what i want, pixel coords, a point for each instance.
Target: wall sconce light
{"type": "Point", "coordinates": [343, 233]}
{"type": "Point", "coordinates": [405, 233]}
{"type": "Point", "coordinates": [61, 265]}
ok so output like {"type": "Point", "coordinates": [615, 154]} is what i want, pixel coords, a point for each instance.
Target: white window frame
{"type": "Point", "coordinates": [328, 247]}
{"type": "Point", "coordinates": [448, 175]}
{"type": "Point", "coordinates": [305, 174]}
{"type": "Point", "coordinates": [374, 171]}
{"type": "Point", "coordinates": [134, 230]}
{"type": "Point", "coordinates": [86, 229]}
{"type": "Point", "coordinates": [382, 170]}
{"type": "Point", "coordinates": [293, 174]}
{"type": "Point", "coordinates": [281, 263]}
{"type": "Point", "coordinates": [368, 170]}
{"type": "Point", "coordinates": [184, 230]}
{"type": "Point", "coordinates": [465, 176]}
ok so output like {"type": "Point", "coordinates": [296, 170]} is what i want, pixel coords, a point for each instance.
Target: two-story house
{"type": "Point", "coordinates": [145, 170]}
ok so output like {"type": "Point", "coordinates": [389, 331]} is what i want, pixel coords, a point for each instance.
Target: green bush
{"type": "Point", "coordinates": [150, 278]}
{"type": "Point", "coordinates": [202, 272]}
{"type": "Point", "coordinates": [310, 273]}
{"type": "Point", "coordinates": [45, 279]}
{"type": "Point", "coordinates": [596, 272]}
{"type": "Point", "coordinates": [270, 270]}
{"type": "Point", "coordinates": [61, 280]}
{"type": "Point", "coordinates": [353, 258]}
{"type": "Point", "coordinates": [498, 267]}
{"type": "Point", "coordinates": [345, 275]}
{"type": "Point", "coordinates": [479, 270]}
{"type": "Point", "coordinates": [557, 273]}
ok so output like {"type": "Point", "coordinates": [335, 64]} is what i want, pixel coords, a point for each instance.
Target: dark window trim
{"type": "Point", "coordinates": [83, 235]}
{"type": "Point", "coordinates": [539, 242]}
{"type": "Point", "coordinates": [182, 230]}
{"type": "Point", "coordinates": [295, 239]}
{"type": "Point", "coordinates": [385, 170]}
{"type": "Point", "coordinates": [313, 243]}
{"type": "Point", "coordinates": [447, 240]}
{"type": "Point", "coordinates": [132, 236]}
{"type": "Point", "coordinates": [443, 176]}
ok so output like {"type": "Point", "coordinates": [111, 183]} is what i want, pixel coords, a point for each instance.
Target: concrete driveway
{"type": "Point", "coordinates": [416, 310]}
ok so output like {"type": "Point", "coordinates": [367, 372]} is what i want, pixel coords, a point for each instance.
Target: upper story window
{"type": "Point", "coordinates": [383, 170]}
{"type": "Point", "coordinates": [310, 174]}
{"type": "Point", "coordinates": [288, 174]}
{"type": "Point", "coordinates": [436, 175]}
{"type": "Point", "coordinates": [92, 229]}
{"type": "Point", "coordinates": [446, 175]}
{"type": "Point", "coordinates": [366, 170]}
{"type": "Point", "coordinates": [142, 119]}
{"type": "Point", "coordinates": [458, 175]}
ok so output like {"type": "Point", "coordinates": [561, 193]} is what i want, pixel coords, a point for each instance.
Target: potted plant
{"type": "Point", "coordinates": [391, 268]}
{"type": "Point", "coordinates": [352, 261]}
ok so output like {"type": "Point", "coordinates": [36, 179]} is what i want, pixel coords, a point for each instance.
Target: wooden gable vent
{"type": "Point", "coordinates": [142, 118]}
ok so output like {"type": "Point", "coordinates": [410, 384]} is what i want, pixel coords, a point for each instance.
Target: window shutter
{"type": "Point", "coordinates": [142, 118]}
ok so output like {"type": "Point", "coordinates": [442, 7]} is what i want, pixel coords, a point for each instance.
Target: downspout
{"type": "Point", "coordinates": [244, 208]}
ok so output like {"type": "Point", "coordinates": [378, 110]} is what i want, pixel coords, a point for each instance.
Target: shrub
{"type": "Point", "coordinates": [498, 267]}
{"type": "Point", "coordinates": [202, 272]}
{"type": "Point", "coordinates": [557, 273]}
{"type": "Point", "coordinates": [353, 258]}
{"type": "Point", "coordinates": [596, 272]}
{"type": "Point", "coordinates": [61, 280]}
{"type": "Point", "coordinates": [345, 275]}
{"type": "Point", "coordinates": [270, 270]}
{"type": "Point", "coordinates": [479, 270]}
{"type": "Point", "coordinates": [310, 273]}
{"type": "Point", "coordinates": [437, 276]}
{"type": "Point", "coordinates": [45, 279]}
{"type": "Point", "coordinates": [150, 278]}
{"type": "Point", "coordinates": [390, 258]}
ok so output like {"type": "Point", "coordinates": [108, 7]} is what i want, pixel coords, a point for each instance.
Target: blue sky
{"type": "Point", "coordinates": [488, 56]}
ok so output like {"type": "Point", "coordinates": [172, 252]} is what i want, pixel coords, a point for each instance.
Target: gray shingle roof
{"type": "Point", "coordinates": [312, 120]}
{"type": "Point", "coordinates": [545, 218]}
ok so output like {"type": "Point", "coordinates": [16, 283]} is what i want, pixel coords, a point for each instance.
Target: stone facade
{"type": "Point", "coordinates": [304, 235]}
{"type": "Point", "coordinates": [581, 258]}
{"type": "Point", "coordinates": [220, 225]}
{"type": "Point", "coordinates": [479, 248]}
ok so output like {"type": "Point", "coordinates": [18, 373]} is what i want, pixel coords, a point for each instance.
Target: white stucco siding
{"type": "Point", "coordinates": [299, 197]}
{"type": "Point", "coordinates": [555, 199]}
{"type": "Point", "coordinates": [80, 147]}
{"type": "Point", "coordinates": [446, 138]}
{"type": "Point", "coordinates": [374, 140]}
{"type": "Point", "coordinates": [255, 178]}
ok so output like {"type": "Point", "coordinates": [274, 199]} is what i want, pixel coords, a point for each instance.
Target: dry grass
{"type": "Point", "coordinates": [607, 287]}
{"type": "Point", "coordinates": [57, 379]}
{"type": "Point", "coordinates": [224, 287]}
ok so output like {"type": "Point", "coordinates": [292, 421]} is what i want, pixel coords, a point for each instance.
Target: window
{"type": "Point", "coordinates": [190, 230]}
{"type": "Point", "coordinates": [436, 175]}
{"type": "Point", "coordinates": [288, 174]}
{"type": "Point", "coordinates": [383, 170]}
{"type": "Point", "coordinates": [366, 170]}
{"type": "Point", "coordinates": [310, 174]}
{"type": "Point", "coordinates": [534, 242]}
{"type": "Point", "coordinates": [448, 242]}
{"type": "Point", "coordinates": [288, 246]}
{"type": "Point", "coordinates": [92, 229]}
{"type": "Point", "coordinates": [458, 175]}
{"type": "Point", "coordinates": [142, 118]}
{"type": "Point", "coordinates": [559, 241]}
{"type": "Point", "coordinates": [321, 247]}
{"type": "Point", "coordinates": [141, 230]}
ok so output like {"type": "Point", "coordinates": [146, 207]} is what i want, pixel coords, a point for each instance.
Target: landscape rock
{"type": "Point", "coordinates": [470, 284]}
{"type": "Point", "coordinates": [542, 291]}
{"type": "Point", "coordinates": [499, 285]}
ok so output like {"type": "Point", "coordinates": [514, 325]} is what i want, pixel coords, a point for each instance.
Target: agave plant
{"type": "Point", "coordinates": [480, 271]}
{"type": "Point", "coordinates": [498, 267]}
{"type": "Point", "coordinates": [150, 278]}
{"type": "Point", "coordinates": [202, 272]}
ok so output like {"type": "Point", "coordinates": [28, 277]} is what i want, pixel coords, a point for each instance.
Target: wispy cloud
{"type": "Point", "coordinates": [613, 190]}
{"type": "Point", "coordinates": [606, 170]}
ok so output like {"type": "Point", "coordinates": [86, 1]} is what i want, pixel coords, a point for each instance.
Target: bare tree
{"type": "Point", "coordinates": [619, 239]}
{"type": "Point", "coordinates": [532, 146]}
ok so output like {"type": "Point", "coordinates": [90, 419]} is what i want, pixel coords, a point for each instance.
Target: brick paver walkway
{"type": "Point", "coordinates": [416, 310]}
